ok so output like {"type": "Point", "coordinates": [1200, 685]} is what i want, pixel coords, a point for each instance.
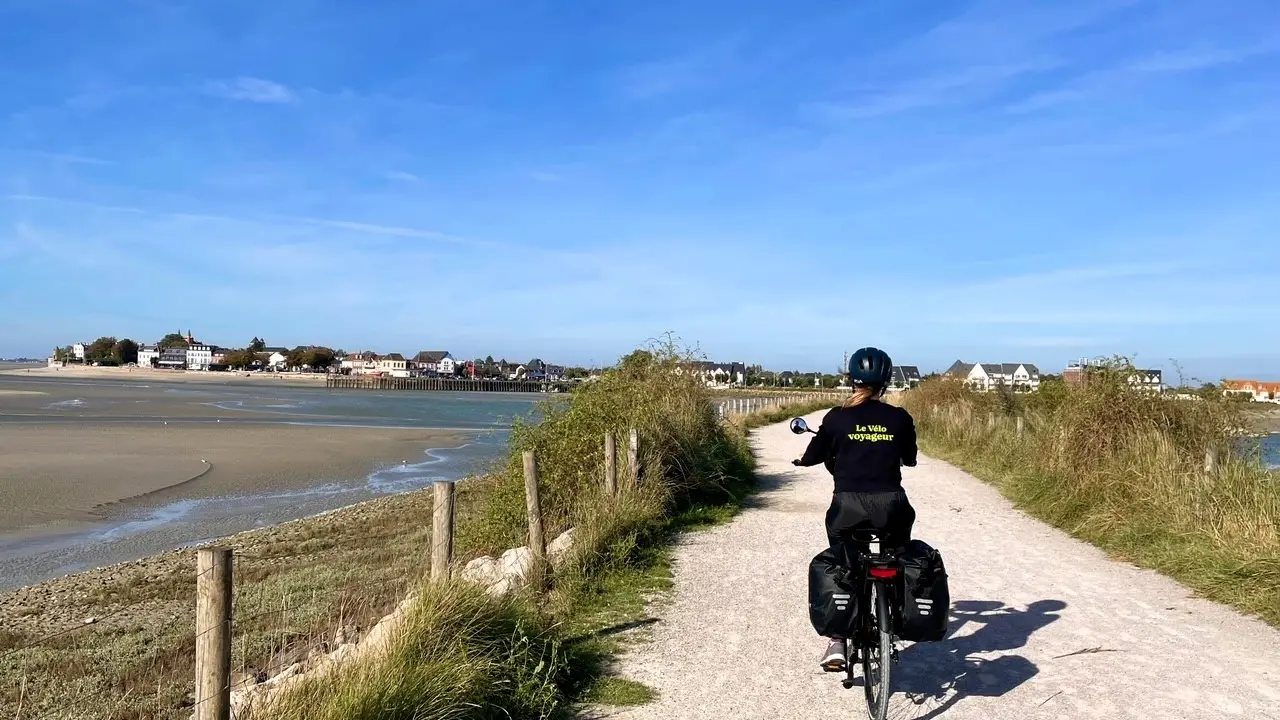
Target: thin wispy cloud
{"type": "Point", "coordinates": [280, 220]}
{"type": "Point", "coordinates": [1200, 58]}
{"type": "Point", "coordinates": [546, 177]}
{"type": "Point", "coordinates": [250, 89]}
{"type": "Point", "coordinates": [62, 157]}
{"type": "Point", "coordinates": [705, 65]}
{"type": "Point", "coordinates": [402, 176]}
{"type": "Point", "coordinates": [967, 85]}
{"type": "Point", "coordinates": [22, 197]}
{"type": "Point", "coordinates": [376, 229]}
{"type": "Point", "coordinates": [1130, 75]}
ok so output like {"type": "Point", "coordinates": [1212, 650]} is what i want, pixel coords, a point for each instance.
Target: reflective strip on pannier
{"type": "Point", "coordinates": [832, 605]}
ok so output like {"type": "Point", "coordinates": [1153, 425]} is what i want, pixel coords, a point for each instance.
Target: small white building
{"type": "Point", "coordinates": [437, 362]}
{"type": "Point", "coordinates": [1024, 376]}
{"type": "Point", "coordinates": [721, 374]}
{"type": "Point", "coordinates": [904, 377]}
{"type": "Point", "coordinates": [394, 364]}
{"type": "Point", "coordinates": [148, 356]}
{"type": "Point", "coordinates": [199, 356]}
{"type": "Point", "coordinates": [78, 350]}
{"type": "Point", "coordinates": [988, 376]}
{"type": "Point", "coordinates": [361, 363]}
{"type": "Point", "coordinates": [1149, 380]}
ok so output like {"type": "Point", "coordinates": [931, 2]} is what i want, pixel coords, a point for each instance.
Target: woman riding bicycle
{"type": "Point", "coordinates": [864, 444]}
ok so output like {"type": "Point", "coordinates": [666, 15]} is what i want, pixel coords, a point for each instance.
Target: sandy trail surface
{"type": "Point", "coordinates": [1043, 626]}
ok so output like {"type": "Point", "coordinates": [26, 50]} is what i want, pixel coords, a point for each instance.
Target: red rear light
{"type": "Point", "coordinates": [884, 573]}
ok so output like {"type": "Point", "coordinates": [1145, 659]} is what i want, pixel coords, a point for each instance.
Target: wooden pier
{"type": "Point", "coordinates": [369, 382]}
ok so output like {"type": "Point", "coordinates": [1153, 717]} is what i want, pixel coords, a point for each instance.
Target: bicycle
{"type": "Point", "coordinates": [872, 640]}
{"type": "Point", "coordinates": [876, 575]}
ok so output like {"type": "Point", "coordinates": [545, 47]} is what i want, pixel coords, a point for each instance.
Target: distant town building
{"type": "Point", "coordinates": [717, 374]}
{"type": "Point", "coordinates": [1256, 390]}
{"type": "Point", "coordinates": [148, 355]}
{"type": "Point", "coordinates": [535, 369]}
{"type": "Point", "coordinates": [1077, 373]}
{"type": "Point", "coordinates": [434, 362]}
{"type": "Point", "coordinates": [1149, 380]}
{"type": "Point", "coordinates": [78, 351]}
{"type": "Point", "coordinates": [394, 364]}
{"type": "Point", "coordinates": [1021, 377]}
{"type": "Point", "coordinates": [199, 356]}
{"type": "Point", "coordinates": [789, 378]}
{"type": "Point", "coordinates": [173, 358]}
{"type": "Point", "coordinates": [361, 363]}
{"type": "Point", "coordinates": [904, 377]}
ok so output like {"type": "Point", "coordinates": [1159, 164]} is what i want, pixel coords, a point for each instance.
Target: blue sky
{"type": "Point", "coordinates": [777, 182]}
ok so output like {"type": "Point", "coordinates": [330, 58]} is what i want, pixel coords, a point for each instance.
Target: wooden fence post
{"type": "Point", "coordinates": [1210, 460]}
{"type": "Point", "coordinates": [213, 634]}
{"type": "Point", "coordinates": [1020, 427]}
{"type": "Point", "coordinates": [991, 420]}
{"type": "Point", "coordinates": [633, 457]}
{"type": "Point", "coordinates": [442, 527]}
{"type": "Point", "coordinates": [537, 542]}
{"type": "Point", "coordinates": [610, 464]}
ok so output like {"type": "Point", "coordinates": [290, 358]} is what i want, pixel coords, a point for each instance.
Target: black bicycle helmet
{"type": "Point", "coordinates": [870, 366]}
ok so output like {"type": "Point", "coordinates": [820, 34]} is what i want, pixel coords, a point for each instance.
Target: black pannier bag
{"type": "Point", "coordinates": [832, 604]}
{"type": "Point", "coordinates": [926, 600]}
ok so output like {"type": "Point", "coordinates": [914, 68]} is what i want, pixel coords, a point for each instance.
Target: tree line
{"type": "Point", "coordinates": [254, 357]}
{"type": "Point", "coordinates": [105, 350]}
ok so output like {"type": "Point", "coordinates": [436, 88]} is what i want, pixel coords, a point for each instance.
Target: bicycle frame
{"type": "Point", "coordinates": [882, 572]}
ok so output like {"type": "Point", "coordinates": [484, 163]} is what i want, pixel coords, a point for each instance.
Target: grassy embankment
{"type": "Point", "coordinates": [466, 655]}
{"type": "Point", "coordinates": [1124, 470]}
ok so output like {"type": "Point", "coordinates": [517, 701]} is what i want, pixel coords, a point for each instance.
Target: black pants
{"type": "Point", "coordinates": [887, 513]}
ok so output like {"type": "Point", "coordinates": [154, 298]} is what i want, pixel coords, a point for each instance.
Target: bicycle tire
{"type": "Point", "coordinates": [877, 654]}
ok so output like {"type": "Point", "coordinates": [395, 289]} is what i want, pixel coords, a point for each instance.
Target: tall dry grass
{"type": "Point", "coordinates": [462, 654]}
{"type": "Point", "coordinates": [1124, 470]}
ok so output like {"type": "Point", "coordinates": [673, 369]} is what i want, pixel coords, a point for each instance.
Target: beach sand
{"type": "Point", "coordinates": [58, 474]}
{"type": "Point", "coordinates": [155, 375]}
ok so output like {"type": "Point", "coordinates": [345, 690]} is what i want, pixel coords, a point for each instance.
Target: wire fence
{"type": "Point", "coordinates": [306, 622]}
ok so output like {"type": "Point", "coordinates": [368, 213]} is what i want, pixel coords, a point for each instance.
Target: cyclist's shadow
{"type": "Point", "coordinates": [935, 676]}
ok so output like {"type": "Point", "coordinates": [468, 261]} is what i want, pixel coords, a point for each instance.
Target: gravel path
{"type": "Point", "coordinates": [1043, 626]}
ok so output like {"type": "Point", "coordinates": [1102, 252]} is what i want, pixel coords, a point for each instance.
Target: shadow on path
{"type": "Point", "coordinates": [933, 677]}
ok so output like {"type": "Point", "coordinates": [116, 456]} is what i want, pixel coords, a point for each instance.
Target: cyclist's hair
{"type": "Point", "coordinates": [863, 393]}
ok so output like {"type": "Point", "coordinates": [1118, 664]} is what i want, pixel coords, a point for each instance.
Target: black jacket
{"type": "Point", "coordinates": [867, 445]}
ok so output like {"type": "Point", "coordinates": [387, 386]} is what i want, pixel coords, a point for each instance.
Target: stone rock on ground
{"type": "Point", "coordinates": [511, 571]}
{"type": "Point", "coordinates": [558, 550]}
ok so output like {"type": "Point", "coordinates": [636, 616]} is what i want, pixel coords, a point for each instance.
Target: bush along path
{"type": "Point", "coordinates": [1042, 625]}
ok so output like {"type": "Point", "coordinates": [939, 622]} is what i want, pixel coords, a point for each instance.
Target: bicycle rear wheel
{"type": "Point", "coordinates": [877, 653]}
